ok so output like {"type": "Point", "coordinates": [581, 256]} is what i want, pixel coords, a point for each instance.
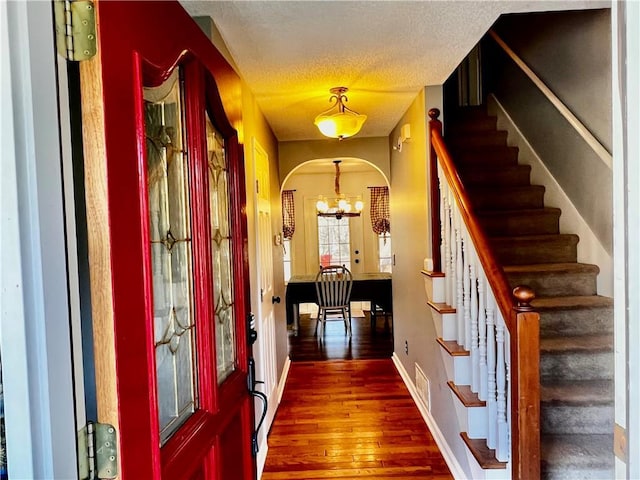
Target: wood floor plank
{"type": "Point", "coordinates": [350, 420]}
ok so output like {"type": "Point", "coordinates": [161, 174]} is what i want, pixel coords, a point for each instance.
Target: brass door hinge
{"type": "Point", "coordinates": [97, 452]}
{"type": "Point", "coordinates": [75, 29]}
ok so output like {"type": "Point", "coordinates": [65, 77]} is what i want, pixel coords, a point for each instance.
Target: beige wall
{"type": "Point", "coordinates": [410, 229]}
{"type": "Point", "coordinates": [373, 149]}
{"type": "Point", "coordinates": [256, 129]}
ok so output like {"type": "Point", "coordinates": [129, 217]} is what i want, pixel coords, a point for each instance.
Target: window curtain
{"type": "Point", "coordinates": [380, 210]}
{"type": "Point", "coordinates": [288, 214]}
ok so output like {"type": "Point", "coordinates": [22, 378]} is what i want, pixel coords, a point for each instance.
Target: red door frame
{"type": "Point", "coordinates": [141, 42]}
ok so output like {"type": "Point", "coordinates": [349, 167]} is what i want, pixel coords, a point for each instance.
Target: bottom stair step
{"type": "Point", "coordinates": [588, 457]}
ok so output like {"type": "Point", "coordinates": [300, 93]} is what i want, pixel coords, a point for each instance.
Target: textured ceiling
{"type": "Point", "coordinates": [291, 52]}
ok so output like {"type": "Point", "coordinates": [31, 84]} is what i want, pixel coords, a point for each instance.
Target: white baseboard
{"type": "Point", "coordinates": [590, 249]}
{"type": "Point", "coordinates": [264, 447]}
{"type": "Point", "coordinates": [261, 458]}
{"type": "Point", "coordinates": [447, 453]}
{"type": "Point", "coordinates": [283, 378]}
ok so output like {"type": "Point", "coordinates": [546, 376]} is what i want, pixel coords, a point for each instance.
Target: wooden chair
{"type": "Point", "coordinates": [333, 290]}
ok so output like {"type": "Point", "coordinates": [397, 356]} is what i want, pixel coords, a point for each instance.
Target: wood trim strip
{"type": "Point", "coordinates": [484, 455]}
{"type": "Point", "coordinates": [466, 396]}
{"type": "Point", "coordinates": [98, 240]}
{"type": "Point", "coordinates": [452, 348]}
{"type": "Point", "coordinates": [432, 274]}
{"type": "Point", "coordinates": [435, 125]}
{"type": "Point", "coordinates": [442, 307]}
{"type": "Point", "coordinates": [584, 132]}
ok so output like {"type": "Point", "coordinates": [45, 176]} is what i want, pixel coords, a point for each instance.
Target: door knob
{"type": "Point", "coordinates": [275, 299]}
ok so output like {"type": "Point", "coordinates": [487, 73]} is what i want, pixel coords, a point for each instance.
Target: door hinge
{"type": "Point", "coordinates": [97, 452]}
{"type": "Point", "coordinates": [75, 29]}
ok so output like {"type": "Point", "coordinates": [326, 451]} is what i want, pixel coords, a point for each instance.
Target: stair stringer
{"type": "Point", "coordinates": [470, 419]}
{"type": "Point", "coordinates": [590, 249]}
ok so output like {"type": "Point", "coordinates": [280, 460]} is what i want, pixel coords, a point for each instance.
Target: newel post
{"type": "Point", "coordinates": [525, 386]}
{"type": "Point", "coordinates": [435, 126]}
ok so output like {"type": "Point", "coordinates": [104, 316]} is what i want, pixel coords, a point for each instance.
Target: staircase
{"type": "Point", "coordinates": [576, 324]}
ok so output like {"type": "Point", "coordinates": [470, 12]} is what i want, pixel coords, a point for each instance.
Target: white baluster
{"type": "Point", "coordinates": [466, 287]}
{"type": "Point", "coordinates": [492, 438]}
{"type": "Point", "coordinates": [459, 279]}
{"type": "Point", "coordinates": [475, 354]}
{"type": "Point", "coordinates": [502, 450]}
{"type": "Point", "coordinates": [446, 265]}
{"type": "Point", "coordinates": [482, 334]}
{"type": "Point", "coordinates": [452, 246]}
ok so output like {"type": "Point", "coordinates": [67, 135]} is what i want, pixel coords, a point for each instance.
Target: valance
{"type": "Point", "coordinates": [380, 210]}
{"type": "Point", "coordinates": [288, 214]}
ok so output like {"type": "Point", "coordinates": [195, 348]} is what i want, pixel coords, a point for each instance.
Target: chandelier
{"type": "Point", "coordinates": [339, 121]}
{"type": "Point", "coordinates": [341, 205]}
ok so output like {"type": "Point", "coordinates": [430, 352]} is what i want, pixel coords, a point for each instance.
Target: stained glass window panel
{"type": "Point", "coordinates": [171, 256]}
{"type": "Point", "coordinates": [223, 294]}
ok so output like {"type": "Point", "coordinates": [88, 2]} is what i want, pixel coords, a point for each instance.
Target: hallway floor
{"type": "Point", "coordinates": [350, 420]}
{"type": "Point", "coordinates": [364, 342]}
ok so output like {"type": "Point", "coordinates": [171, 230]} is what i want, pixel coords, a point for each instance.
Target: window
{"type": "Point", "coordinates": [333, 241]}
{"type": "Point", "coordinates": [385, 257]}
{"type": "Point", "coordinates": [286, 245]}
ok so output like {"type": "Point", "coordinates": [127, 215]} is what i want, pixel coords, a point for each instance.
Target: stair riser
{"type": "Point", "coordinates": [513, 224]}
{"type": "Point", "coordinates": [582, 321]}
{"type": "Point", "coordinates": [480, 139]}
{"type": "Point", "coordinates": [533, 253]}
{"type": "Point", "coordinates": [556, 284]}
{"type": "Point", "coordinates": [570, 419]}
{"type": "Point", "coordinates": [479, 124]}
{"type": "Point", "coordinates": [496, 199]}
{"type": "Point", "coordinates": [576, 366]}
{"type": "Point", "coordinates": [506, 176]}
{"type": "Point", "coordinates": [491, 158]}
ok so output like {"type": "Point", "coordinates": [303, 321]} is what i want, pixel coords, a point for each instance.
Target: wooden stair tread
{"type": "Point", "coordinates": [453, 348]}
{"type": "Point", "coordinates": [577, 392]}
{"type": "Point", "coordinates": [485, 456]}
{"type": "Point", "coordinates": [442, 307]}
{"type": "Point", "coordinates": [581, 343]}
{"type": "Point", "coordinates": [431, 274]}
{"type": "Point", "coordinates": [466, 396]}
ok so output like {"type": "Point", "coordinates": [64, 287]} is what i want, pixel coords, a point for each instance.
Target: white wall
{"type": "Point", "coordinates": [34, 316]}
{"type": "Point", "coordinates": [626, 211]}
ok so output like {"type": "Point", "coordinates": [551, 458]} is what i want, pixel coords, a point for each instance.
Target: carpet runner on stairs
{"type": "Point", "coordinates": [576, 357]}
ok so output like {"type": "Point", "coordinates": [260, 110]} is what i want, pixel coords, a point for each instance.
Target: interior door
{"type": "Point", "coordinates": [167, 245]}
{"type": "Point", "coordinates": [266, 344]}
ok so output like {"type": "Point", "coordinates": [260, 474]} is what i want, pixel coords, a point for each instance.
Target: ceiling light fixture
{"type": "Point", "coordinates": [341, 205]}
{"type": "Point", "coordinates": [339, 121]}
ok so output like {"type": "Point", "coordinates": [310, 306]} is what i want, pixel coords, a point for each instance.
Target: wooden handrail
{"type": "Point", "coordinates": [519, 316]}
{"type": "Point", "coordinates": [582, 130]}
{"type": "Point", "coordinates": [495, 275]}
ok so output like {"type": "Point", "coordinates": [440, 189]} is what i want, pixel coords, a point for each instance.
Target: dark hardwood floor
{"type": "Point", "coordinates": [335, 345]}
{"type": "Point", "coordinates": [350, 420]}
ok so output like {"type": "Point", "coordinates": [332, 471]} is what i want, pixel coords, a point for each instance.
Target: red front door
{"type": "Point", "coordinates": [167, 245]}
